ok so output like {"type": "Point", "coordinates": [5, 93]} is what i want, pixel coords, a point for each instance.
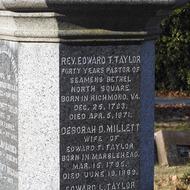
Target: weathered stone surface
{"type": "Point", "coordinates": [8, 115]}
{"type": "Point", "coordinates": [38, 116]}
{"type": "Point", "coordinates": [29, 117]}
{"type": "Point", "coordinates": [47, 74]}
{"type": "Point", "coordinates": [100, 116]}
{"type": "Point", "coordinates": [76, 111]}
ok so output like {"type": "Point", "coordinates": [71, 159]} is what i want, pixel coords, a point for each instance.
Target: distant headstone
{"type": "Point", "coordinates": [173, 148]}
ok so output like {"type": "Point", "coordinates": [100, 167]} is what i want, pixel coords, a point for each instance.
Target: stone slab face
{"type": "Point", "coordinates": [106, 116]}
{"type": "Point", "coordinates": [100, 116]}
{"type": "Point", "coordinates": [106, 130]}
{"type": "Point", "coordinates": [8, 116]}
{"type": "Point", "coordinates": [173, 147]}
{"type": "Point", "coordinates": [85, 93]}
{"type": "Point", "coordinates": [38, 116]}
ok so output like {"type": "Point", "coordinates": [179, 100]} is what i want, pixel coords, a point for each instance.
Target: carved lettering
{"type": "Point", "coordinates": [100, 117]}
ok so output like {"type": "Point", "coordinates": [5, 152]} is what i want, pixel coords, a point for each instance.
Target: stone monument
{"type": "Point", "coordinates": [77, 93]}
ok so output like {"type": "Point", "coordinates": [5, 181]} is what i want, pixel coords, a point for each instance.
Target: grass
{"type": "Point", "coordinates": [173, 126]}
{"type": "Point", "coordinates": [172, 178]}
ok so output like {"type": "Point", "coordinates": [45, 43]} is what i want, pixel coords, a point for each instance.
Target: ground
{"type": "Point", "coordinates": [172, 117]}
{"type": "Point", "coordinates": [172, 178]}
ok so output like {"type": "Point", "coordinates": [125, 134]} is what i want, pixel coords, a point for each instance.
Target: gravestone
{"type": "Point", "coordinates": [8, 115]}
{"type": "Point", "coordinates": [77, 93]}
{"type": "Point", "coordinates": [173, 147]}
{"type": "Point", "coordinates": [100, 116]}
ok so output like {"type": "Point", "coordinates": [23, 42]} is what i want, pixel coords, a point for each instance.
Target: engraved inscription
{"type": "Point", "coordinates": [8, 116]}
{"type": "Point", "coordinates": [99, 117]}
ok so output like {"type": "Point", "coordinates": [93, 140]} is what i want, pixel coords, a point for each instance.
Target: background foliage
{"type": "Point", "coordinates": [173, 52]}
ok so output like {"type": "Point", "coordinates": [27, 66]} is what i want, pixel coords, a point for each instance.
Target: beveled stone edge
{"type": "Point", "coordinates": [45, 27]}
{"type": "Point", "coordinates": [54, 26]}
{"type": "Point", "coordinates": [44, 4]}
{"type": "Point", "coordinates": [72, 38]}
